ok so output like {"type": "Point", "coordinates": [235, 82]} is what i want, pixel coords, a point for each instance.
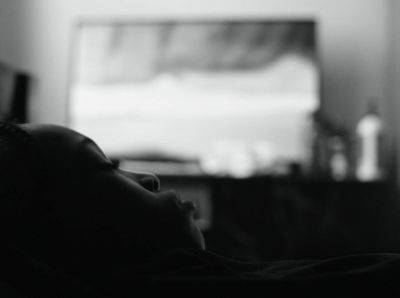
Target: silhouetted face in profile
{"type": "Point", "coordinates": [87, 191]}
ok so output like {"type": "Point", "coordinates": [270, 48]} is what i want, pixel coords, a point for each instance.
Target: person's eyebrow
{"type": "Point", "coordinates": [105, 163]}
{"type": "Point", "coordinates": [107, 166]}
{"type": "Point", "coordinates": [89, 142]}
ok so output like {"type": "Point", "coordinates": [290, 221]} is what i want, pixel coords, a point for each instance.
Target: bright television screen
{"type": "Point", "coordinates": [223, 93]}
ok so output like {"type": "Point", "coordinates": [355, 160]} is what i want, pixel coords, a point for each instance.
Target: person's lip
{"type": "Point", "coordinates": [187, 204]}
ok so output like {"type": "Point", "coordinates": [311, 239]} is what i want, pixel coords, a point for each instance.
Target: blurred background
{"type": "Point", "coordinates": [253, 109]}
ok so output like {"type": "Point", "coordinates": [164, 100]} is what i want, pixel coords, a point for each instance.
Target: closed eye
{"type": "Point", "coordinates": [107, 165]}
{"type": "Point", "coordinates": [115, 162]}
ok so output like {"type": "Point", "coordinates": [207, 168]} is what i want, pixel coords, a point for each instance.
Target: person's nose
{"type": "Point", "coordinates": [147, 180]}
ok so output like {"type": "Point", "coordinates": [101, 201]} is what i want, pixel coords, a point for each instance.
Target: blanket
{"type": "Point", "coordinates": [198, 273]}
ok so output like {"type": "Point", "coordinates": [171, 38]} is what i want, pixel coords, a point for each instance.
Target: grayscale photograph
{"type": "Point", "coordinates": [199, 149]}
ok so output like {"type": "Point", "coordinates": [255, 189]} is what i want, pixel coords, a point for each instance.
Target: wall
{"type": "Point", "coordinates": [35, 35]}
{"type": "Point", "coordinates": [394, 79]}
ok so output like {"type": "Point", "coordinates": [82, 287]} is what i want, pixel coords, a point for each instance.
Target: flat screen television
{"type": "Point", "coordinates": [232, 96]}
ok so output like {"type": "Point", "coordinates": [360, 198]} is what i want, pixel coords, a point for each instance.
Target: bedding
{"type": "Point", "coordinates": [204, 274]}
{"type": "Point", "coordinates": [197, 273]}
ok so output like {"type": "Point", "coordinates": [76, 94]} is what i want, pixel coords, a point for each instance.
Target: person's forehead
{"type": "Point", "coordinates": [46, 132]}
{"type": "Point", "coordinates": [64, 148]}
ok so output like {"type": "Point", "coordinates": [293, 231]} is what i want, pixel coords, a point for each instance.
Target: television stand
{"type": "Point", "coordinates": [162, 167]}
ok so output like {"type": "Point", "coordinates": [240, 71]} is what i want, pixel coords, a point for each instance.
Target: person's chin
{"type": "Point", "coordinates": [197, 236]}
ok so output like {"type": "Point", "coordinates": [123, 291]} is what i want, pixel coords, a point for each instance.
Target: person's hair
{"type": "Point", "coordinates": [23, 202]}
{"type": "Point", "coordinates": [21, 172]}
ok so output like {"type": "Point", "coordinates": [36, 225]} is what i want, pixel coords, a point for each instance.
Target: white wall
{"type": "Point", "coordinates": [35, 35]}
{"type": "Point", "coordinates": [394, 79]}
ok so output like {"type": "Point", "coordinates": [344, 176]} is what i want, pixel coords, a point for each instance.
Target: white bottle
{"type": "Point", "coordinates": [369, 130]}
{"type": "Point", "coordinates": [338, 161]}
